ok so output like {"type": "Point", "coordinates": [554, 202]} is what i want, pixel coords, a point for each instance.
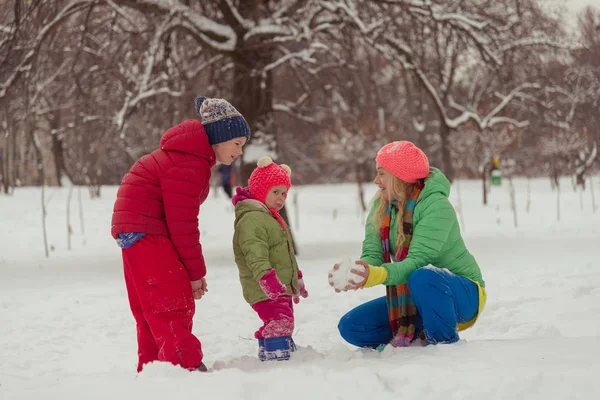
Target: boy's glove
{"type": "Point", "coordinates": [271, 285]}
{"type": "Point", "coordinates": [301, 288]}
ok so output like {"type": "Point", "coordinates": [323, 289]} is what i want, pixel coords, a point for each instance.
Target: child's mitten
{"type": "Point", "coordinates": [240, 195]}
{"type": "Point", "coordinates": [271, 285]}
{"type": "Point", "coordinates": [301, 288]}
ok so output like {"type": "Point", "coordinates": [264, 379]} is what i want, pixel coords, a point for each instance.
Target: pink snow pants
{"type": "Point", "coordinates": [277, 316]}
{"type": "Point", "coordinates": [162, 303]}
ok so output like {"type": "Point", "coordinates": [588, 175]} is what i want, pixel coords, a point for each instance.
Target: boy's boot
{"type": "Point", "coordinates": [278, 348]}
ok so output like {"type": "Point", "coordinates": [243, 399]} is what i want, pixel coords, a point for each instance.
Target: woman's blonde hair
{"type": "Point", "coordinates": [400, 191]}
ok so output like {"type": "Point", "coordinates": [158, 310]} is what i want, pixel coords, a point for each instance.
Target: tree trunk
{"type": "Point", "coordinates": [94, 189]}
{"type": "Point", "coordinates": [68, 216]}
{"type": "Point", "coordinates": [253, 97]}
{"type": "Point", "coordinates": [557, 202]}
{"type": "Point", "coordinates": [361, 190]}
{"type": "Point", "coordinates": [4, 174]}
{"type": "Point", "coordinates": [44, 214]}
{"type": "Point", "coordinates": [484, 175]}
{"type": "Point", "coordinates": [59, 159]}
{"type": "Point", "coordinates": [580, 179]}
{"type": "Point", "coordinates": [13, 166]}
{"type": "Point", "coordinates": [448, 169]}
{"type": "Point", "coordinates": [513, 201]}
{"type": "Point", "coordinates": [3, 171]}
{"type": "Point", "coordinates": [7, 157]}
{"type": "Point", "coordinates": [554, 181]}
{"type": "Point", "coordinates": [593, 195]}
{"type": "Point", "coordinates": [34, 143]}
{"type": "Point", "coordinates": [81, 218]}
{"type": "Point", "coordinates": [252, 90]}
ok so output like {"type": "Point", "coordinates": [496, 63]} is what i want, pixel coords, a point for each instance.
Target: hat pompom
{"type": "Point", "coordinates": [286, 168]}
{"type": "Point", "coordinates": [198, 101]}
{"type": "Point", "coordinates": [264, 161]}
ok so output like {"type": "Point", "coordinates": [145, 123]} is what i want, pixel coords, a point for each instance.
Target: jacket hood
{"type": "Point", "coordinates": [188, 137]}
{"type": "Point", "coordinates": [436, 182]}
{"type": "Point", "coordinates": [248, 206]}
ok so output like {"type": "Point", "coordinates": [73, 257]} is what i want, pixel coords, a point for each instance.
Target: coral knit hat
{"type": "Point", "coordinates": [267, 175]}
{"type": "Point", "coordinates": [404, 160]}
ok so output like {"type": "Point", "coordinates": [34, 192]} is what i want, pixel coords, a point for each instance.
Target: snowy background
{"type": "Point", "coordinates": [66, 331]}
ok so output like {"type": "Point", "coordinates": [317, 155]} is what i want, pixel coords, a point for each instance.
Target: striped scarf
{"type": "Point", "coordinates": [400, 305]}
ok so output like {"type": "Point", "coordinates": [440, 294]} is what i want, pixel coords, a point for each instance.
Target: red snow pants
{"type": "Point", "coordinates": [277, 316]}
{"type": "Point", "coordinates": [162, 303]}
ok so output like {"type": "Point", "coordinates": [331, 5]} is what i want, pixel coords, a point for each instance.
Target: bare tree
{"type": "Point", "coordinates": [106, 78]}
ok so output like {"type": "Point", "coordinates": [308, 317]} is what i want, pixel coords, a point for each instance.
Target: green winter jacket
{"type": "Point", "coordinates": [259, 244]}
{"type": "Point", "coordinates": [436, 237]}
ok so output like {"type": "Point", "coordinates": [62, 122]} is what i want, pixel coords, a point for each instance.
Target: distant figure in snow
{"type": "Point", "coordinates": [414, 247]}
{"type": "Point", "coordinates": [155, 222]}
{"type": "Point", "coordinates": [226, 174]}
{"type": "Point", "coordinates": [264, 254]}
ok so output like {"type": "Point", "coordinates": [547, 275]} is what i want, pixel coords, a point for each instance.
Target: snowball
{"type": "Point", "coordinates": [341, 277]}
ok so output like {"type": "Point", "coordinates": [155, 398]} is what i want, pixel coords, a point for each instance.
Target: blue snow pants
{"type": "Point", "coordinates": [443, 300]}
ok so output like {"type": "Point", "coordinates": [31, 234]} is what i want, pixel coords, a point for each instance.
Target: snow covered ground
{"type": "Point", "coordinates": [66, 331]}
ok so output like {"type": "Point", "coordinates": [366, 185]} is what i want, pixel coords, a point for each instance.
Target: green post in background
{"type": "Point", "coordinates": [496, 174]}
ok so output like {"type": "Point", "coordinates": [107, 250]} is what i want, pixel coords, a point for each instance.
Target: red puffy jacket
{"type": "Point", "coordinates": [161, 194]}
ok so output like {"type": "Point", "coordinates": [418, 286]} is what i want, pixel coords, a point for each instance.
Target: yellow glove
{"type": "Point", "coordinates": [377, 276]}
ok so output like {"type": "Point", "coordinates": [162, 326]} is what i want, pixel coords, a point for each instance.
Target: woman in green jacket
{"type": "Point", "coordinates": [264, 254]}
{"type": "Point", "coordinates": [413, 246]}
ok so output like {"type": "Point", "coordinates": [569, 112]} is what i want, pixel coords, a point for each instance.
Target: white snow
{"type": "Point", "coordinates": [66, 331]}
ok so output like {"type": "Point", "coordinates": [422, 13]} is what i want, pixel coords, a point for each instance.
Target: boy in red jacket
{"type": "Point", "coordinates": [155, 222]}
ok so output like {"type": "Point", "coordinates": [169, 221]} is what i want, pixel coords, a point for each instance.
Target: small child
{"type": "Point", "coordinates": [264, 254]}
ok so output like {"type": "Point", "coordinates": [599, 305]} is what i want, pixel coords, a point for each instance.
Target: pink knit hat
{"type": "Point", "coordinates": [267, 175]}
{"type": "Point", "coordinates": [404, 160]}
